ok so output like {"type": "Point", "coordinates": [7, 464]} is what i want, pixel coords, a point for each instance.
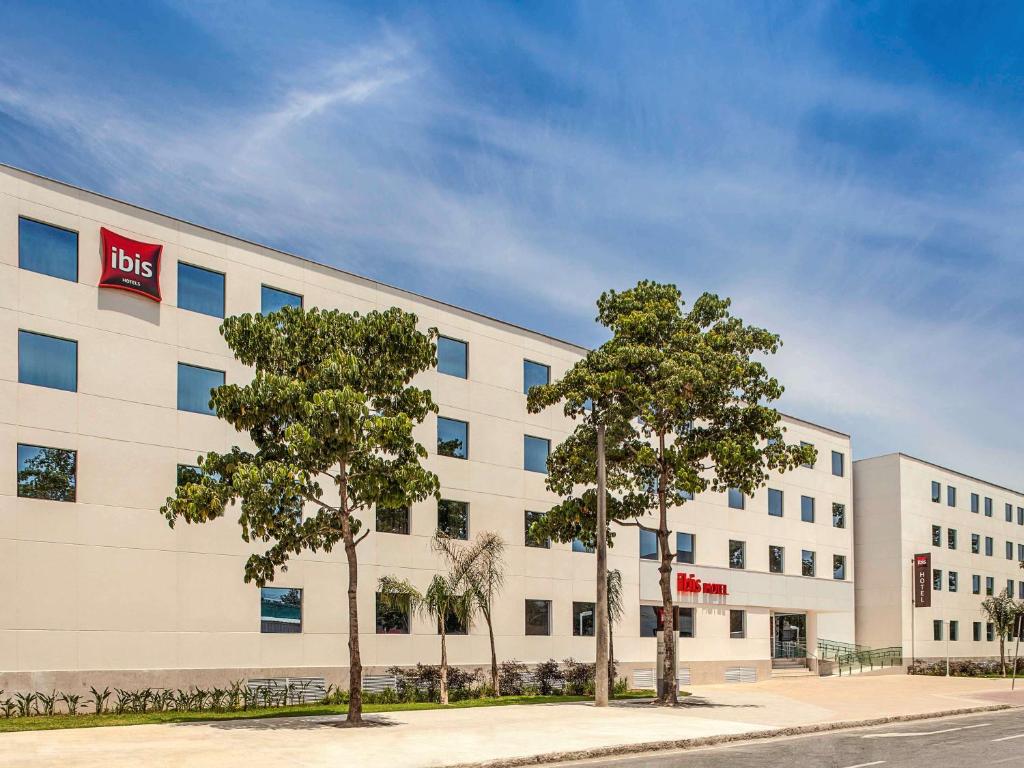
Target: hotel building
{"type": "Point", "coordinates": [973, 532]}
{"type": "Point", "coordinates": [109, 389]}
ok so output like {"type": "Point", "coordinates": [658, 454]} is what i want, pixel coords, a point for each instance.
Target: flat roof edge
{"type": "Point", "coordinates": [958, 473]}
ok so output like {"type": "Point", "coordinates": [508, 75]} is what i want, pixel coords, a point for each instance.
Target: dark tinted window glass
{"type": "Point", "coordinates": [951, 538]}
{"type": "Point", "coordinates": [684, 547]}
{"type": "Point", "coordinates": [47, 361]}
{"type": "Point", "coordinates": [774, 502]}
{"type": "Point", "coordinates": [838, 567]}
{"type": "Point", "coordinates": [776, 558]}
{"type": "Point", "coordinates": [736, 498]}
{"type": "Point", "coordinates": [452, 438]}
{"type": "Point", "coordinates": [535, 375]}
{"type": "Point", "coordinates": [274, 299]}
{"type": "Point", "coordinates": [954, 581]}
{"type": "Point", "coordinates": [194, 387]}
{"type": "Point", "coordinates": [954, 630]}
{"type": "Point", "coordinates": [453, 518]}
{"type": "Point", "coordinates": [583, 619]}
{"type": "Point", "coordinates": [48, 250]}
{"type": "Point", "coordinates": [737, 624]}
{"type": "Point", "coordinates": [648, 545]}
{"type": "Point", "coordinates": [391, 620]}
{"type": "Point", "coordinates": [531, 540]}
{"type": "Point", "coordinates": [837, 463]}
{"type": "Point", "coordinates": [535, 454]}
{"type": "Point", "coordinates": [737, 554]}
{"type": "Point", "coordinates": [976, 584]}
{"type": "Point", "coordinates": [988, 546]}
{"type": "Point", "coordinates": [46, 473]}
{"type": "Point", "coordinates": [975, 543]}
{"type": "Point", "coordinates": [936, 629]}
{"type": "Point", "coordinates": [936, 535]}
{"type": "Point", "coordinates": [807, 509]}
{"type": "Point", "coordinates": [838, 515]}
{"type": "Point", "coordinates": [976, 631]}
{"type": "Point", "coordinates": [393, 520]}
{"type": "Point", "coordinates": [280, 610]}
{"type": "Point", "coordinates": [200, 290]}
{"type": "Point", "coordinates": [538, 617]}
{"type": "Point", "coordinates": [807, 565]}
{"type": "Point", "coordinates": [936, 491]}
{"type": "Point", "coordinates": [990, 586]}
{"type": "Point", "coordinates": [452, 357]}
{"type": "Point", "coordinates": [988, 507]}
{"type": "Point", "coordinates": [453, 625]}
{"type": "Point", "coordinates": [648, 621]}
{"type": "Point", "coordinates": [684, 620]}
{"type": "Point", "coordinates": [1009, 513]}
{"type": "Point", "coordinates": [975, 502]}
{"type": "Point", "coordinates": [937, 579]}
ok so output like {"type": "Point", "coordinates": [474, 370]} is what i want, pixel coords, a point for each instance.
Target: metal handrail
{"type": "Point", "coordinates": [870, 658]}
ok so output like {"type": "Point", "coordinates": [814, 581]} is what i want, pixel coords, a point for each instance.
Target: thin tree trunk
{"type": "Point", "coordinates": [601, 605]}
{"type": "Point", "coordinates": [444, 666]}
{"type": "Point", "coordinates": [355, 662]}
{"type": "Point", "coordinates": [1002, 653]}
{"type": "Point", "coordinates": [494, 654]}
{"type": "Point", "coordinates": [669, 695]}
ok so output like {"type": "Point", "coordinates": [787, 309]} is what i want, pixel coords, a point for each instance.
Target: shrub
{"type": "Point", "coordinates": [99, 699]}
{"type": "Point", "coordinates": [579, 677]}
{"type": "Point", "coordinates": [511, 678]}
{"type": "Point", "coordinates": [549, 677]}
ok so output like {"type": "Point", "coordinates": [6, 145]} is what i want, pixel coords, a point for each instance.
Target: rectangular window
{"type": "Point", "coordinates": [582, 620]}
{"type": "Point", "coordinates": [990, 586]}
{"type": "Point", "coordinates": [685, 547]}
{"type": "Point", "coordinates": [951, 538]}
{"type": "Point", "coordinates": [839, 567]}
{"type": "Point", "coordinates": [737, 554]}
{"type": "Point", "coordinates": [954, 581]}
{"type": "Point", "coordinates": [807, 509]}
{"type": "Point", "coordinates": [951, 496]}
{"type": "Point", "coordinates": [975, 503]}
{"type": "Point", "coordinates": [775, 502]}
{"type": "Point", "coordinates": [936, 629]}
{"type": "Point", "coordinates": [47, 361]}
{"type": "Point", "coordinates": [976, 584]}
{"type": "Point", "coordinates": [990, 631]}
{"type": "Point", "coordinates": [1009, 550]}
{"type": "Point", "coordinates": [975, 544]}
{"type": "Point", "coordinates": [280, 610]}
{"type": "Point", "coordinates": [189, 473]}
{"type": "Point", "coordinates": [452, 357]}
{"type": "Point", "coordinates": [452, 438]}
{"type": "Point", "coordinates": [737, 624]}
{"type": "Point", "coordinates": [954, 631]}
{"type": "Point", "coordinates": [976, 631]}
{"type": "Point", "coordinates": [1009, 513]}
{"type": "Point", "coordinates": [736, 498]}
{"type": "Point", "coordinates": [532, 540]}
{"type": "Point", "coordinates": [1020, 591]}
{"type": "Point", "coordinates": [649, 622]}
{"type": "Point", "coordinates": [838, 515]}
{"type": "Point", "coordinates": [578, 545]}
{"type": "Point", "coordinates": [807, 564]}
{"type": "Point", "coordinates": [1020, 515]}
{"type": "Point", "coordinates": [535, 454]}
{"type": "Point", "coordinates": [1020, 553]}
{"type": "Point", "coordinates": [807, 445]}
{"type": "Point", "coordinates": [453, 518]}
{"type": "Point", "coordinates": [393, 520]}
{"type": "Point", "coordinates": [648, 545]}
{"type": "Point", "coordinates": [391, 620]}
{"type": "Point", "coordinates": [200, 290]}
{"type": "Point", "coordinates": [195, 386]}
{"type": "Point", "coordinates": [274, 300]}
{"type": "Point", "coordinates": [936, 492]}
{"type": "Point", "coordinates": [988, 507]}
{"type": "Point", "coordinates": [988, 546]}
{"type": "Point", "coordinates": [936, 535]}
{"type": "Point", "coordinates": [535, 375]}
{"type": "Point", "coordinates": [538, 617]}
{"type": "Point", "coordinates": [453, 625]}
{"type": "Point", "coordinates": [47, 249]}
{"type": "Point", "coordinates": [1009, 588]}
{"type": "Point", "coordinates": [776, 558]}
{"type": "Point", "coordinates": [837, 463]}
{"type": "Point", "coordinates": [937, 579]}
{"type": "Point", "coordinates": [47, 473]}
{"type": "Point", "coordinates": [684, 620]}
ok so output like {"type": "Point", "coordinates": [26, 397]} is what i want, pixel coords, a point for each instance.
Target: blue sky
{"type": "Point", "coordinates": [852, 175]}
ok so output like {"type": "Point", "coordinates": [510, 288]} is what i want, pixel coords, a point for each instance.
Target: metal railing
{"type": "Point", "coordinates": [833, 649]}
{"type": "Point", "coordinates": [789, 649]}
{"type": "Point", "coordinates": [870, 659]}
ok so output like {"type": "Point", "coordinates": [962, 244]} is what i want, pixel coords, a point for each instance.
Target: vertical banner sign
{"type": "Point", "coordinates": [923, 581]}
{"type": "Point", "coordinates": [130, 265]}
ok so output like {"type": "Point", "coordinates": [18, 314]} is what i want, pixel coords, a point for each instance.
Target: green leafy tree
{"type": "Point", "coordinates": [330, 411]}
{"type": "Point", "coordinates": [483, 566]}
{"type": "Point", "coordinates": [454, 594]}
{"type": "Point", "coordinates": [1002, 610]}
{"type": "Point", "coordinates": [686, 406]}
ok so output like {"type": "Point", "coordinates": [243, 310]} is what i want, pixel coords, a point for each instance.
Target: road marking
{"type": "Point", "coordinates": [923, 733]}
{"type": "Point", "coordinates": [865, 765]}
{"type": "Point", "coordinates": [1007, 738]}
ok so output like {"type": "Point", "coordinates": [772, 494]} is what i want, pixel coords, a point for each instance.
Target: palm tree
{"type": "Point", "coordinates": [615, 611]}
{"type": "Point", "coordinates": [482, 567]}
{"type": "Point", "coordinates": [1002, 610]}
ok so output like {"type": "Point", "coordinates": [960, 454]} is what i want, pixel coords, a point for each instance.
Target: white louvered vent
{"type": "Point", "coordinates": [643, 679]}
{"type": "Point", "coordinates": [740, 675]}
{"type": "Point", "coordinates": [683, 675]}
{"type": "Point", "coordinates": [378, 683]}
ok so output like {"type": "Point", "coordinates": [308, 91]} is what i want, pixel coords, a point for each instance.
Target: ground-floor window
{"type": "Point", "coordinates": [583, 619]}
{"type": "Point", "coordinates": [977, 631]}
{"type": "Point", "coordinates": [650, 620]}
{"type": "Point", "coordinates": [391, 620]}
{"type": "Point", "coordinates": [936, 629]}
{"type": "Point", "coordinates": [954, 630]}
{"type": "Point", "coordinates": [280, 610]}
{"type": "Point", "coordinates": [685, 622]}
{"type": "Point", "coordinates": [737, 624]}
{"type": "Point", "coordinates": [990, 632]}
{"type": "Point", "coordinates": [538, 617]}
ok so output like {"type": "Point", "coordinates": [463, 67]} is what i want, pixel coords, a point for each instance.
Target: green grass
{"type": "Point", "coordinates": [55, 722]}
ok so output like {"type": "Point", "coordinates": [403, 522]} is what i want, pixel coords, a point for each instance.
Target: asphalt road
{"type": "Point", "coordinates": [974, 741]}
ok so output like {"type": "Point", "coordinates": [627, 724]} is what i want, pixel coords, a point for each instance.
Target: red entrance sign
{"type": "Point", "coordinates": [686, 582]}
{"type": "Point", "coordinates": [130, 265]}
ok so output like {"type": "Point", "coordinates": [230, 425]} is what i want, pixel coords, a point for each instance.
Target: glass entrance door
{"type": "Point", "coordinates": [789, 635]}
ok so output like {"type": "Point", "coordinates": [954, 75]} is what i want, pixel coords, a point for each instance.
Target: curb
{"type": "Point", "coordinates": [709, 741]}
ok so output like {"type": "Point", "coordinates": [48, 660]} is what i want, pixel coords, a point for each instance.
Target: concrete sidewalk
{"type": "Point", "coordinates": [449, 737]}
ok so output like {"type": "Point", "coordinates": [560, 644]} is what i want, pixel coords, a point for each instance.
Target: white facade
{"type": "Point", "coordinates": [102, 591]}
{"type": "Point", "coordinates": [974, 534]}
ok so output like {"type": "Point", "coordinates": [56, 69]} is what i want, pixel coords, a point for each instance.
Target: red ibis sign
{"type": "Point", "coordinates": [923, 580]}
{"type": "Point", "coordinates": [130, 265]}
{"type": "Point", "coordinates": [687, 582]}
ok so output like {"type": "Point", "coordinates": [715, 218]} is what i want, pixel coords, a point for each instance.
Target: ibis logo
{"type": "Point", "coordinates": [130, 265]}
